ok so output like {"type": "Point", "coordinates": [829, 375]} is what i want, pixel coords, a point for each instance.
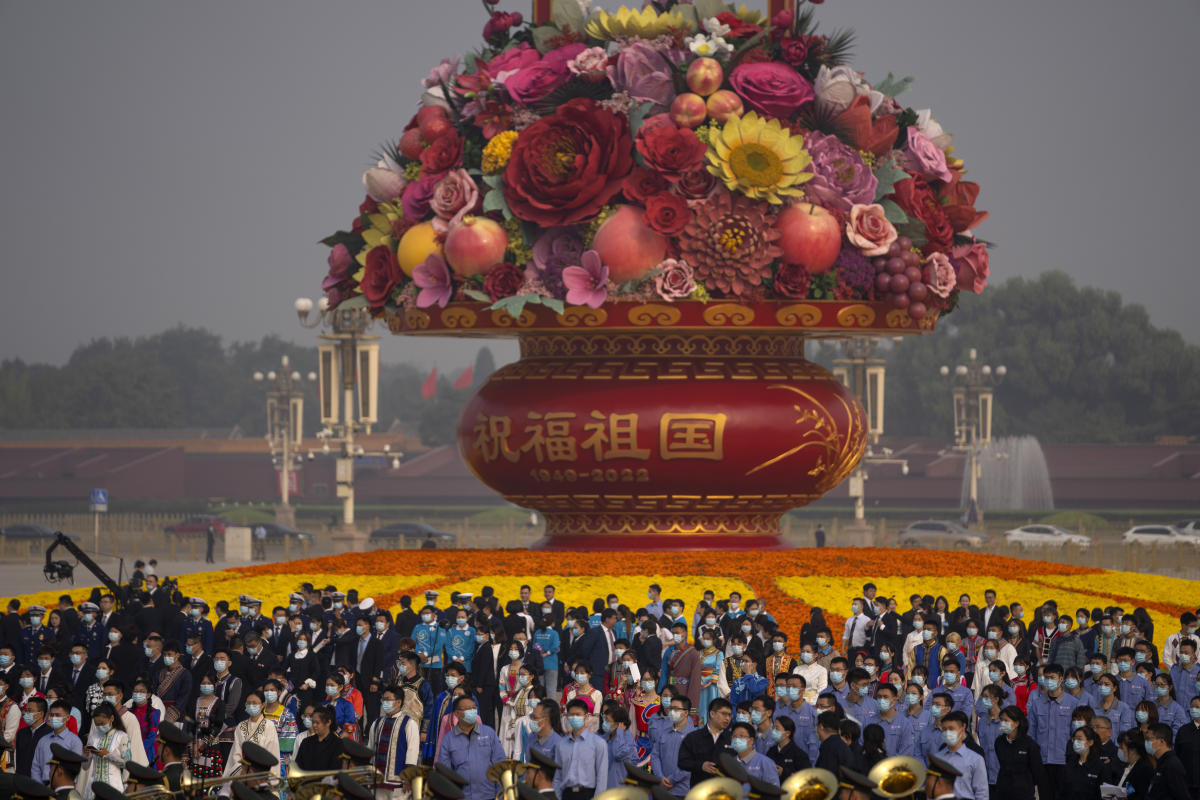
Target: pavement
{"type": "Point", "coordinates": [25, 577]}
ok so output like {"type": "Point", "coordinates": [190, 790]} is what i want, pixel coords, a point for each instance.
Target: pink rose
{"type": "Point", "coordinates": [675, 280]}
{"type": "Point", "coordinates": [939, 274]}
{"type": "Point", "coordinates": [513, 59]}
{"type": "Point", "coordinates": [771, 88]}
{"type": "Point", "coordinates": [923, 157]}
{"type": "Point", "coordinates": [869, 230]}
{"type": "Point", "coordinates": [971, 263]}
{"type": "Point", "coordinates": [591, 60]}
{"type": "Point", "coordinates": [454, 196]}
{"type": "Point", "coordinates": [644, 74]}
{"type": "Point", "coordinates": [531, 84]}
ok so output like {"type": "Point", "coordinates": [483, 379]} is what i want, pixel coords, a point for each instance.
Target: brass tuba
{"type": "Point", "coordinates": [898, 776]}
{"type": "Point", "coordinates": [623, 793]}
{"type": "Point", "coordinates": [810, 784]}
{"type": "Point", "coordinates": [415, 777]}
{"type": "Point", "coordinates": [506, 773]}
{"type": "Point", "coordinates": [306, 784]}
{"type": "Point", "coordinates": [716, 789]}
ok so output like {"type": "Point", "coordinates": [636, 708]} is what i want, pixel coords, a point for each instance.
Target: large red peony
{"type": "Point", "coordinates": [565, 167]}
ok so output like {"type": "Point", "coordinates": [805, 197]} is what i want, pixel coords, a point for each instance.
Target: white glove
{"type": "Point", "coordinates": [309, 683]}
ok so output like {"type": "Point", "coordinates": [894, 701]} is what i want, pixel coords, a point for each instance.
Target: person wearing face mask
{"type": "Point", "coordinates": [109, 748]}
{"type": "Point", "coordinates": [284, 718]}
{"type": "Point", "coordinates": [583, 690]}
{"type": "Point", "coordinates": [789, 757]}
{"type": "Point", "coordinates": [1133, 771]}
{"type": "Point", "coordinates": [174, 685]}
{"type": "Point", "coordinates": [1186, 633]}
{"type": "Point", "coordinates": [751, 685]}
{"type": "Point", "coordinates": [1169, 710]}
{"type": "Point", "coordinates": [142, 705]}
{"type": "Point", "coordinates": [682, 670]}
{"type": "Point", "coordinates": [1185, 672]}
{"type": "Point", "coordinates": [490, 654]}
{"type": "Point", "coordinates": [56, 720]}
{"type": "Point", "coordinates": [470, 748]}
{"type": "Point", "coordinates": [1050, 722]}
{"type": "Point", "coordinates": [416, 698]}
{"type": "Point", "coordinates": [972, 781]}
{"type": "Point", "coordinates": [1066, 650]}
{"type": "Point", "coordinates": [460, 642]}
{"type": "Point", "coordinates": [302, 669]}
{"type": "Point", "coordinates": [90, 634]}
{"type": "Point", "coordinates": [33, 718]}
{"type": "Point", "coordinates": [256, 729]}
{"type": "Point", "coordinates": [394, 740]}
{"type": "Point", "coordinates": [1020, 772]}
{"type": "Point", "coordinates": [1170, 775]}
{"type": "Point", "coordinates": [756, 764]}
{"type": "Point", "coordinates": [455, 676]}
{"type": "Point", "coordinates": [897, 726]}
{"type": "Point", "coordinates": [229, 687]}
{"type": "Point", "coordinates": [854, 635]}
{"type": "Point", "coordinates": [815, 674]}
{"type": "Point", "coordinates": [711, 676]}
{"type": "Point", "coordinates": [46, 674]}
{"type": "Point", "coordinates": [206, 760]}
{"type": "Point", "coordinates": [622, 749]}
{"type": "Point", "coordinates": [987, 729]}
{"type": "Point", "coordinates": [778, 659]}
{"type": "Point", "coordinates": [431, 641]}
{"type": "Point", "coordinates": [547, 644]}
{"type": "Point", "coordinates": [344, 717]}
{"type": "Point", "coordinates": [664, 750]}
{"type": "Point", "coordinates": [525, 729]}
{"type": "Point", "coordinates": [35, 636]}
{"type": "Point", "coordinates": [952, 684]}
{"type": "Point", "coordinates": [197, 622]}
{"type": "Point", "coordinates": [1134, 687]}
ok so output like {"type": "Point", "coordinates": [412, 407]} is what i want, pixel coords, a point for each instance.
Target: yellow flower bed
{"type": "Point", "coordinates": [580, 590]}
{"type": "Point", "coordinates": [835, 594]}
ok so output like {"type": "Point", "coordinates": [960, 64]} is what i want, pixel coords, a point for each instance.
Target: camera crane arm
{"type": "Point", "coordinates": [59, 570]}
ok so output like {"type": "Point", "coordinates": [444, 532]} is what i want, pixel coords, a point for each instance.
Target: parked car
{"type": "Point", "coordinates": [198, 525]}
{"type": "Point", "coordinates": [277, 532]}
{"type": "Point", "coordinates": [1155, 536]}
{"type": "Point", "coordinates": [414, 534]}
{"type": "Point", "coordinates": [1189, 527]}
{"type": "Point", "coordinates": [941, 533]}
{"type": "Point", "coordinates": [30, 531]}
{"type": "Point", "coordinates": [1045, 536]}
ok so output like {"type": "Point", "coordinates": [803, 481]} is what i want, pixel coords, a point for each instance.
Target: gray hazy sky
{"type": "Point", "coordinates": [176, 162]}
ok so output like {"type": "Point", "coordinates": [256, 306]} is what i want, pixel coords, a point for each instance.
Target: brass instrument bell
{"type": "Point", "coordinates": [810, 784]}
{"type": "Point", "coordinates": [716, 789]}
{"type": "Point", "coordinates": [415, 776]}
{"type": "Point", "coordinates": [898, 776]}
{"type": "Point", "coordinates": [623, 792]}
{"type": "Point", "coordinates": [506, 773]}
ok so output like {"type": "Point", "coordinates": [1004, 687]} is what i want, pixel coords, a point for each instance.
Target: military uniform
{"type": "Point", "coordinates": [34, 638]}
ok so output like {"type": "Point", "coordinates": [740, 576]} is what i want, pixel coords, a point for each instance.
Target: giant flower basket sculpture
{"type": "Point", "coordinates": [662, 206]}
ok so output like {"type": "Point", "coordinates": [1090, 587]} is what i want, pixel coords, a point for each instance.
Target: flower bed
{"type": "Point", "coordinates": [789, 583]}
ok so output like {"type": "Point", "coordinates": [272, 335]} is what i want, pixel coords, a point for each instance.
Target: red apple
{"type": "Point", "coordinates": [475, 245]}
{"type": "Point", "coordinates": [811, 236]}
{"type": "Point", "coordinates": [629, 246]}
{"type": "Point", "coordinates": [724, 104]}
{"type": "Point", "coordinates": [705, 76]}
{"type": "Point", "coordinates": [411, 145]}
{"type": "Point", "coordinates": [688, 110]}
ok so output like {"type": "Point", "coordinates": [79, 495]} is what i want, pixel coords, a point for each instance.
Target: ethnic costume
{"type": "Point", "coordinates": [261, 733]}
{"type": "Point", "coordinates": [643, 707]}
{"type": "Point", "coordinates": [107, 769]}
{"type": "Point", "coordinates": [395, 742]}
{"type": "Point", "coordinates": [207, 761]}
{"type": "Point", "coordinates": [515, 715]}
{"type": "Point", "coordinates": [710, 679]}
{"type": "Point", "coordinates": [285, 724]}
{"type": "Point", "coordinates": [777, 663]}
{"type": "Point", "coordinates": [174, 687]}
{"type": "Point", "coordinates": [684, 673]}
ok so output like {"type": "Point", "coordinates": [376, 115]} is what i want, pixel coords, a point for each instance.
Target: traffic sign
{"type": "Point", "coordinates": [98, 501]}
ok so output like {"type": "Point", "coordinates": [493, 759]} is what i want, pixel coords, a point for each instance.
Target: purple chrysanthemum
{"type": "Point", "coordinates": [854, 269]}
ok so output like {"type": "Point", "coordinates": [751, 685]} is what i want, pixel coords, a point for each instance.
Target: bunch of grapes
{"type": "Point", "coordinates": [898, 278]}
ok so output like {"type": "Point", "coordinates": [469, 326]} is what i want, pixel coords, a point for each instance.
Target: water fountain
{"type": "Point", "coordinates": [1014, 476]}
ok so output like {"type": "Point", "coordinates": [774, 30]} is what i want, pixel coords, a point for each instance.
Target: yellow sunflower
{"type": "Point", "coordinates": [644, 24]}
{"type": "Point", "coordinates": [759, 158]}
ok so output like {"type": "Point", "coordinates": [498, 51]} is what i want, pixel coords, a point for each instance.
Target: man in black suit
{"type": "Point", "coordinates": [278, 634]}
{"type": "Point", "coordinates": [109, 617]}
{"type": "Point", "coordinates": [1170, 776]}
{"type": "Point", "coordinates": [29, 736]}
{"type": "Point", "coordinates": [598, 642]}
{"type": "Point", "coordinates": [368, 655]}
{"type": "Point", "coordinates": [10, 671]}
{"type": "Point", "coordinates": [10, 627]}
{"type": "Point", "coordinates": [648, 646]}
{"type": "Point", "coordinates": [200, 663]}
{"type": "Point", "coordinates": [700, 749]}
{"type": "Point", "coordinates": [834, 753]}
{"type": "Point", "coordinates": [68, 614]}
{"type": "Point", "coordinates": [259, 660]}
{"type": "Point", "coordinates": [407, 619]}
{"type": "Point", "coordinates": [906, 618]}
{"type": "Point", "coordinates": [46, 673]}
{"type": "Point", "coordinates": [557, 610]}
{"type": "Point", "coordinates": [79, 674]}
{"type": "Point", "coordinates": [991, 613]}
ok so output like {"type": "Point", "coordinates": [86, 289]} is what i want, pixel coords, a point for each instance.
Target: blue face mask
{"type": "Point", "coordinates": [987, 702]}
{"type": "Point", "coordinates": [885, 705]}
{"type": "Point", "coordinates": [1071, 683]}
{"type": "Point", "coordinates": [950, 737]}
{"type": "Point", "coordinates": [576, 723]}
{"type": "Point", "coordinates": [470, 716]}
{"type": "Point", "coordinates": [1051, 684]}
{"type": "Point", "coordinates": [1141, 716]}
{"type": "Point", "coordinates": [794, 692]}
{"type": "Point", "coordinates": [740, 744]}
{"type": "Point", "coordinates": [1124, 666]}
{"type": "Point", "coordinates": [1104, 689]}
{"type": "Point", "coordinates": [912, 699]}
{"type": "Point", "coordinates": [1078, 745]}
{"type": "Point", "coordinates": [1150, 747]}
{"type": "Point", "coordinates": [606, 726]}
{"type": "Point", "coordinates": [1139, 657]}
{"type": "Point", "coordinates": [742, 717]}
{"type": "Point", "coordinates": [206, 688]}
{"type": "Point", "coordinates": [756, 717]}
{"type": "Point", "coordinates": [1194, 712]}
{"type": "Point", "coordinates": [937, 711]}
{"type": "Point", "coordinates": [1162, 691]}
{"type": "Point", "coordinates": [993, 675]}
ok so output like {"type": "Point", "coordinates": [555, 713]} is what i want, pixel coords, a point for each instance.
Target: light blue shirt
{"type": "Point", "coordinates": [898, 739]}
{"type": "Point", "coordinates": [1185, 683]}
{"type": "Point", "coordinates": [547, 642]}
{"type": "Point", "coordinates": [42, 755]}
{"type": "Point", "coordinates": [622, 750]}
{"type": "Point", "coordinates": [1172, 714]}
{"type": "Point", "coordinates": [1050, 725]}
{"type": "Point", "coordinates": [761, 767]}
{"type": "Point", "coordinates": [584, 762]}
{"type": "Point", "coordinates": [986, 732]}
{"type": "Point", "coordinates": [972, 783]}
{"type": "Point", "coordinates": [1120, 715]}
{"type": "Point", "coordinates": [470, 755]}
{"type": "Point", "coordinates": [664, 756]}
{"type": "Point", "coordinates": [921, 723]}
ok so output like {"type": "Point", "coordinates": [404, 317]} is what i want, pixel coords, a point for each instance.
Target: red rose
{"type": "Point", "coordinates": [368, 206]}
{"type": "Point", "coordinates": [565, 167]}
{"type": "Point", "coordinates": [795, 50]}
{"type": "Point", "coordinates": [918, 201]}
{"type": "Point", "coordinates": [737, 28]}
{"type": "Point", "coordinates": [792, 281]}
{"type": "Point", "coordinates": [641, 184]}
{"type": "Point", "coordinates": [771, 88]}
{"type": "Point", "coordinates": [444, 154]}
{"type": "Point", "coordinates": [503, 280]}
{"type": "Point", "coordinates": [380, 275]}
{"type": "Point", "coordinates": [667, 213]}
{"type": "Point", "coordinates": [696, 185]}
{"type": "Point", "coordinates": [669, 149]}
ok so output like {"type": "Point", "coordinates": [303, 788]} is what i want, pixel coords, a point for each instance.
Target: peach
{"type": "Point", "coordinates": [723, 104]}
{"type": "Point", "coordinates": [688, 110]}
{"type": "Point", "coordinates": [475, 245]}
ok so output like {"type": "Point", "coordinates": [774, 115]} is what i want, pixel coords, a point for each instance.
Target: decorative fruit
{"type": "Point", "coordinates": [688, 110]}
{"type": "Point", "coordinates": [810, 236]}
{"type": "Point", "coordinates": [705, 76]}
{"type": "Point", "coordinates": [474, 245]}
{"type": "Point", "coordinates": [418, 243]}
{"type": "Point", "coordinates": [724, 104]}
{"type": "Point", "coordinates": [432, 122]}
{"type": "Point", "coordinates": [411, 145]}
{"type": "Point", "coordinates": [629, 246]}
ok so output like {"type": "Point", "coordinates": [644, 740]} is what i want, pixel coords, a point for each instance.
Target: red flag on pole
{"type": "Point", "coordinates": [466, 379]}
{"type": "Point", "coordinates": [429, 387]}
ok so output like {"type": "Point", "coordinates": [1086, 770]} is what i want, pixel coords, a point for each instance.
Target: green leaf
{"type": "Point", "coordinates": [353, 241]}
{"type": "Point", "coordinates": [542, 36]}
{"type": "Point", "coordinates": [710, 8]}
{"type": "Point", "coordinates": [638, 114]}
{"type": "Point", "coordinates": [494, 181]}
{"type": "Point", "coordinates": [888, 174]}
{"type": "Point", "coordinates": [914, 229]}
{"type": "Point", "coordinates": [689, 17]}
{"type": "Point", "coordinates": [469, 62]}
{"type": "Point", "coordinates": [475, 294]}
{"type": "Point", "coordinates": [513, 305]}
{"type": "Point", "coordinates": [568, 14]}
{"type": "Point", "coordinates": [892, 87]}
{"type": "Point", "coordinates": [552, 303]}
{"type": "Point", "coordinates": [894, 213]}
{"type": "Point", "coordinates": [495, 201]}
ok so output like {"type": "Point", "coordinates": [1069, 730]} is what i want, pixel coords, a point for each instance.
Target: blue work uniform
{"type": "Point", "coordinates": [470, 754]}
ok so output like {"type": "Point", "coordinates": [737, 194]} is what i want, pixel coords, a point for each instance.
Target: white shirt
{"type": "Point", "coordinates": [816, 679]}
{"type": "Point", "coordinates": [855, 635]}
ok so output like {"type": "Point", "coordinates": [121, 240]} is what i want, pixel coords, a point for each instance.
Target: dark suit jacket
{"type": "Point", "coordinates": [372, 663]}
{"type": "Point", "coordinates": [1169, 781]}
{"type": "Point", "coordinates": [406, 620]}
{"type": "Point", "coordinates": [998, 614]}
{"type": "Point", "coordinates": [835, 754]}
{"type": "Point", "coordinates": [594, 648]}
{"type": "Point", "coordinates": [649, 652]}
{"type": "Point", "coordinates": [10, 632]}
{"type": "Point", "coordinates": [559, 613]}
{"type": "Point", "coordinates": [26, 744]}
{"type": "Point", "coordinates": [125, 658]}
{"type": "Point", "coordinates": [698, 747]}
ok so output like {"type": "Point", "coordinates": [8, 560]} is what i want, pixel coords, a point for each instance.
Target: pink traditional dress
{"type": "Point", "coordinates": [643, 707]}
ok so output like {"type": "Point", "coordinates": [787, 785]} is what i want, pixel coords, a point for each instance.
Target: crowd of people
{"type": "Point", "coordinates": [1057, 703]}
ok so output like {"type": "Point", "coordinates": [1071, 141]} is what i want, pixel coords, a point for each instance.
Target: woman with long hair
{"type": "Point", "coordinates": [105, 753]}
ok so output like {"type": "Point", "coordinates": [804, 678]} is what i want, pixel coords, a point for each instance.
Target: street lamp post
{"type": "Point", "coordinates": [973, 384]}
{"type": "Point", "coordinates": [348, 367]}
{"type": "Point", "coordinates": [285, 425]}
{"type": "Point", "coordinates": [862, 372]}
